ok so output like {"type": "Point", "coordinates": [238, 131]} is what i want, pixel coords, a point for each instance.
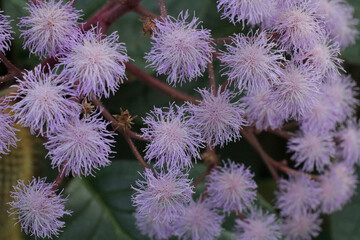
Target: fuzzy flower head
{"type": "Point", "coordinates": [95, 63]}
{"type": "Point", "coordinates": [339, 20]}
{"type": "Point", "coordinates": [5, 33]}
{"type": "Point", "coordinates": [81, 145]}
{"type": "Point", "coordinates": [323, 56]}
{"type": "Point", "coordinates": [297, 195]}
{"type": "Point", "coordinates": [304, 227]}
{"type": "Point", "coordinates": [162, 196]}
{"type": "Point", "coordinates": [218, 119]}
{"type": "Point", "coordinates": [298, 25]}
{"type": "Point", "coordinates": [38, 208]}
{"type": "Point", "coordinates": [231, 187]}
{"type": "Point", "coordinates": [246, 11]}
{"type": "Point", "coordinates": [349, 138]}
{"type": "Point", "coordinates": [297, 91]}
{"type": "Point", "coordinates": [179, 49]}
{"type": "Point", "coordinates": [7, 131]}
{"type": "Point", "coordinates": [312, 149]}
{"type": "Point", "coordinates": [262, 111]}
{"type": "Point", "coordinates": [258, 226]}
{"type": "Point", "coordinates": [342, 93]}
{"type": "Point", "coordinates": [173, 141]}
{"type": "Point", "coordinates": [155, 229]}
{"type": "Point", "coordinates": [251, 61]}
{"type": "Point", "coordinates": [198, 222]}
{"type": "Point", "coordinates": [50, 26]}
{"type": "Point", "coordinates": [337, 186]}
{"type": "Point", "coordinates": [43, 101]}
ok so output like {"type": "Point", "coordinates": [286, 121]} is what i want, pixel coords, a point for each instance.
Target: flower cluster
{"type": "Point", "coordinates": [285, 70]}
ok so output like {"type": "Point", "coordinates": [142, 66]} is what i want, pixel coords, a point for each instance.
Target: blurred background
{"type": "Point", "coordinates": [101, 205]}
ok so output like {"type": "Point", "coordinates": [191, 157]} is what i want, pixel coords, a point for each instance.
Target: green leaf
{"type": "Point", "coordinates": [102, 206]}
{"type": "Point", "coordinates": [352, 53]}
{"type": "Point", "coordinates": [345, 224]}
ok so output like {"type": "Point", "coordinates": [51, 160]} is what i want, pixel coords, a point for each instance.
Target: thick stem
{"type": "Point", "coordinates": [135, 151]}
{"type": "Point", "coordinates": [157, 84]}
{"type": "Point", "coordinates": [114, 123]}
{"type": "Point", "coordinates": [59, 177]}
{"type": "Point", "coordinates": [212, 78]}
{"type": "Point", "coordinates": [222, 40]}
{"type": "Point", "coordinates": [281, 133]}
{"type": "Point", "coordinates": [162, 7]}
{"type": "Point", "coordinates": [144, 12]}
{"type": "Point", "coordinates": [10, 67]}
{"type": "Point", "coordinates": [250, 137]}
{"type": "Point", "coordinates": [204, 174]}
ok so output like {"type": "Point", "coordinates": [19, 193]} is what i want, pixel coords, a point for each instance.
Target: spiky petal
{"type": "Point", "coordinates": [50, 26]}
{"type": "Point", "coordinates": [231, 187]}
{"type": "Point", "coordinates": [198, 222]}
{"type": "Point", "coordinates": [252, 61]}
{"type": "Point", "coordinates": [173, 141]}
{"type": "Point", "coordinates": [162, 195]}
{"type": "Point", "coordinates": [38, 208]}
{"type": "Point", "coordinates": [81, 145]}
{"type": "Point", "coordinates": [258, 225]}
{"type": "Point", "coordinates": [95, 62]}
{"type": "Point", "coordinates": [43, 102]}
{"type": "Point", "coordinates": [217, 117]}
{"type": "Point", "coordinates": [179, 48]}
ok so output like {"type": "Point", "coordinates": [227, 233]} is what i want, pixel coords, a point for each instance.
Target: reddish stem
{"type": "Point", "coordinates": [157, 84]}
{"type": "Point", "coordinates": [162, 7]}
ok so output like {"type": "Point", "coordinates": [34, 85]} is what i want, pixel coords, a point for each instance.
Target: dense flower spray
{"type": "Point", "coordinates": [280, 74]}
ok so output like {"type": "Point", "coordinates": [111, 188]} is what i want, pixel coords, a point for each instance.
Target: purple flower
{"type": "Point", "coordinates": [312, 149]}
{"type": "Point", "coordinates": [297, 195]}
{"type": "Point", "coordinates": [7, 131]}
{"type": "Point", "coordinates": [218, 119]}
{"type": "Point", "coordinates": [50, 26]}
{"type": "Point", "coordinates": [252, 12]}
{"type": "Point", "coordinates": [173, 141]}
{"type": "Point", "coordinates": [5, 33]}
{"type": "Point", "coordinates": [95, 62]}
{"type": "Point", "coordinates": [323, 56]}
{"type": "Point", "coordinates": [262, 110]}
{"type": "Point", "coordinates": [339, 20]}
{"type": "Point", "coordinates": [303, 227]}
{"type": "Point", "coordinates": [43, 102]}
{"type": "Point", "coordinates": [162, 195]}
{"type": "Point", "coordinates": [152, 227]}
{"type": "Point", "coordinates": [258, 226]}
{"type": "Point", "coordinates": [337, 186]}
{"type": "Point", "coordinates": [297, 24]}
{"type": "Point", "coordinates": [198, 222]}
{"type": "Point", "coordinates": [322, 117]}
{"type": "Point", "coordinates": [231, 187]}
{"type": "Point", "coordinates": [342, 93]}
{"type": "Point", "coordinates": [179, 49]}
{"type": "Point", "coordinates": [81, 145]}
{"type": "Point", "coordinates": [251, 61]}
{"type": "Point", "coordinates": [38, 208]}
{"type": "Point", "coordinates": [297, 91]}
{"type": "Point", "coordinates": [349, 142]}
